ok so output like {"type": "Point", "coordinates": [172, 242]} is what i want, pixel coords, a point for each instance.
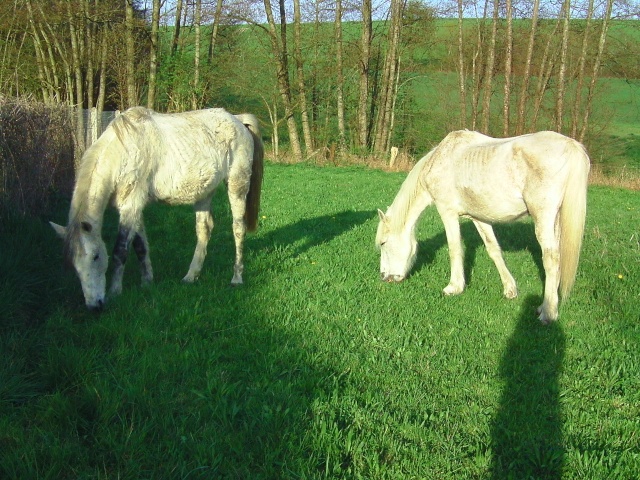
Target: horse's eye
{"type": "Point", "coordinates": [95, 259]}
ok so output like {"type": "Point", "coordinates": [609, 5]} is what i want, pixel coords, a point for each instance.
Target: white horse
{"type": "Point", "coordinates": [179, 158]}
{"type": "Point", "coordinates": [494, 180]}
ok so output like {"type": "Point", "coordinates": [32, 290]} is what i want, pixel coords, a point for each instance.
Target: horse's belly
{"type": "Point", "coordinates": [189, 189]}
{"type": "Point", "coordinates": [494, 208]}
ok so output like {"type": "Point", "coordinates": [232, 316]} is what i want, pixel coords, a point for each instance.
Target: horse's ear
{"type": "Point", "coordinates": [59, 229]}
{"type": "Point", "coordinates": [383, 217]}
{"type": "Point", "coordinates": [86, 226]}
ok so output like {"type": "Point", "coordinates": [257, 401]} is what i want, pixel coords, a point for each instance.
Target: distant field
{"type": "Point", "coordinates": [428, 93]}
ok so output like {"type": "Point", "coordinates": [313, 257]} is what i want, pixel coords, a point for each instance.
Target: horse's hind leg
{"type": "Point", "coordinates": [204, 226]}
{"type": "Point", "coordinates": [238, 200]}
{"type": "Point", "coordinates": [548, 237]}
{"type": "Point", "coordinates": [495, 253]}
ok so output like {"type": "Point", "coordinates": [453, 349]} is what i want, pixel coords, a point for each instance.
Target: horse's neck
{"type": "Point", "coordinates": [411, 200]}
{"type": "Point", "coordinates": [93, 190]}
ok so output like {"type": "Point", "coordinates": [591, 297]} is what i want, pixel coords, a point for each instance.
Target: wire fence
{"type": "Point", "coordinates": [95, 122]}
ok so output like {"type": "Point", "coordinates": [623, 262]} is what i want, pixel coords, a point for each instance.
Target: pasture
{"type": "Point", "coordinates": [314, 368]}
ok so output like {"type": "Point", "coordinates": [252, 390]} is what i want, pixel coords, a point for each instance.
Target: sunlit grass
{"type": "Point", "coordinates": [316, 369]}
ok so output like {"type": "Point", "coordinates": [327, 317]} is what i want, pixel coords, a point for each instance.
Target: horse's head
{"type": "Point", "coordinates": [397, 250]}
{"type": "Point", "coordinates": [86, 251]}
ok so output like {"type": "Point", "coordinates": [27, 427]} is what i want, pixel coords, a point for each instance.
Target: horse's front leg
{"type": "Point", "coordinates": [204, 226]}
{"type": "Point", "coordinates": [495, 253]}
{"type": "Point", "coordinates": [120, 253]}
{"type": "Point", "coordinates": [456, 255]}
{"type": "Point", "coordinates": [141, 247]}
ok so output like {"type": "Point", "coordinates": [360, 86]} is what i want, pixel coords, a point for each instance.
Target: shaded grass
{"type": "Point", "coordinates": [316, 369]}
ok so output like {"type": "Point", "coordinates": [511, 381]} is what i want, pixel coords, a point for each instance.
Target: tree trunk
{"type": "Point", "coordinates": [79, 84]}
{"type": "Point", "coordinates": [478, 68]}
{"type": "Point", "coordinates": [461, 71]}
{"type": "Point", "coordinates": [90, 39]}
{"type": "Point", "coordinates": [488, 77]}
{"type": "Point", "coordinates": [524, 90]}
{"type": "Point", "coordinates": [339, 75]}
{"type": "Point", "coordinates": [562, 72]}
{"type": "Point", "coordinates": [279, 48]}
{"type": "Point", "coordinates": [40, 57]}
{"type": "Point", "coordinates": [102, 87]}
{"type": "Point", "coordinates": [596, 70]}
{"type": "Point", "coordinates": [507, 71]}
{"type": "Point", "coordinates": [130, 80]}
{"type": "Point", "coordinates": [214, 31]}
{"type": "Point", "coordinates": [176, 30]}
{"type": "Point", "coordinates": [575, 116]}
{"type": "Point", "coordinates": [385, 98]}
{"type": "Point", "coordinates": [153, 54]}
{"type": "Point", "coordinates": [302, 89]}
{"type": "Point", "coordinates": [365, 60]}
{"type": "Point", "coordinates": [544, 74]}
{"type": "Point", "coordinates": [196, 94]}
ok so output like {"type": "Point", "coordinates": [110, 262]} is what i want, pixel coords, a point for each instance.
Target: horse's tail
{"type": "Point", "coordinates": [257, 170]}
{"type": "Point", "coordinates": [572, 217]}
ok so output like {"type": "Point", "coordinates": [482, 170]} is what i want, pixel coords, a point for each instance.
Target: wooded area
{"type": "Point", "coordinates": [329, 72]}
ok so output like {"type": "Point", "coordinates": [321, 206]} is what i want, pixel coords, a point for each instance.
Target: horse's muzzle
{"type": "Point", "coordinates": [98, 307]}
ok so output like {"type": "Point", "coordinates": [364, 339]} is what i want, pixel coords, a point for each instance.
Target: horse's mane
{"type": "Point", "coordinates": [113, 138]}
{"type": "Point", "coordinates": [410, 189]}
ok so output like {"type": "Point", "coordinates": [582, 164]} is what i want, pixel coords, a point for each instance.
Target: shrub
{"type": "Point", "coordinates": [36, 155]}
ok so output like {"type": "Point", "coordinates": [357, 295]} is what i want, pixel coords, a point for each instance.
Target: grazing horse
{"type": "Point", "coordinates": [493, 180]}
{"type": "Point", "coordinates": [180, 158]}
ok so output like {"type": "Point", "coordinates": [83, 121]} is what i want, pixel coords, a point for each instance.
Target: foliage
{"type": "Point", "coordinates": [316, 369]}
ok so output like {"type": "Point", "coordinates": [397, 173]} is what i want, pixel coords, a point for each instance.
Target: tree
{"type": "Point", "coordinates": [195, 95]}
{"type": "Point", "coordinates": [153, 54]}
{"type": "Point", "coordinates": [280, 52]}
{"type": "Point", "coordinates": [302, 90]}
{"type": "Point", "coordinates": [507, 70]}
{"type": "Point", "coordinates": [461, 70]}
{"type": "Point", "coordinates": [596, 69]}
{"type": "Point", "coordinates": [131, 98]}
{"type": "Point", "coordinates": [176, 30]}
{"type": "Point", "coordinates": [364, 66]}
{"type": "Point", "coordinates": [339, 75]}
{"type": "Point", "coordinates": [581, 71]}
{"type": "Point", "coordinates": [388, 87]}
{"type": "Point", "coordinates": [524, 89]}
{"type": "Point", "coordinates": [488, 77]}
{"type": "Point", "coordinates": [214, 31]}
{"type": "Point", "coordinates": [562, 72]}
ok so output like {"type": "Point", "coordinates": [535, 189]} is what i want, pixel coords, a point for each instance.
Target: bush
{"type": "Point", "coordinates": [36, 155]}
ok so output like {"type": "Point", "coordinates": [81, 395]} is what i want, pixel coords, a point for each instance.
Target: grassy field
{"type": "Point", "coordinates": [314, 368]}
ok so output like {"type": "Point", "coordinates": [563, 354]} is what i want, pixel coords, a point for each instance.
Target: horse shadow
{"type": "Point", "coordinates": [512, 237]}
{"type": "Point", "coordinates": [299, 237]}
{"type": "Point", "coordinates": [526, 431]}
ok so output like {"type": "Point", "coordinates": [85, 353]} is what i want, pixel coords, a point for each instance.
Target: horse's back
{"type": "Point", "coordinates": [498, 179]}
{"type": "Point", "coordinates": [194, 152]}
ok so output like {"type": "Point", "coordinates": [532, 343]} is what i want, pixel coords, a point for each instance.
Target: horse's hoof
{"type": "Point", "coordinates": [545, 319]}
{"type": "Point", "coordinates": [510, 293]}
{"type": "Point", "coordinates": [450, 290]}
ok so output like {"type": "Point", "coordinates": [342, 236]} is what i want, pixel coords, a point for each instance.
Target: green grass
{"type": "Point", "coordinates": [316, 369]}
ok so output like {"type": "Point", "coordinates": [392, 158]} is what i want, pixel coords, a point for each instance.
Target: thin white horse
{"type": "Point", "coordinates": [144, 156]}
{"type": "Point", "coordinates": [494, 180]}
